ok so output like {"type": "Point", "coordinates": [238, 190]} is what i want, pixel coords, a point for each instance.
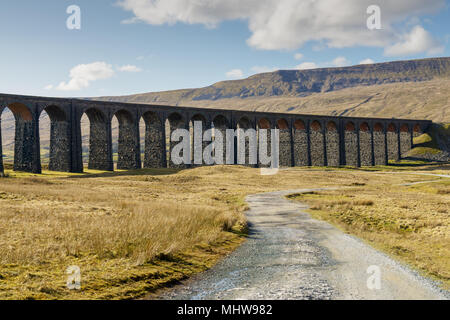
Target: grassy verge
{"type": "Point", "coordinates": [133, 232]}
{"type": "Point", "coordinates": [411, 223]}
{"type": "Point", "coordinates": [428, 143]}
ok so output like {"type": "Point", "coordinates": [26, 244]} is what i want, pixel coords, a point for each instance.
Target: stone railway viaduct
{"type": "Point", "coordinates": [305, 140]}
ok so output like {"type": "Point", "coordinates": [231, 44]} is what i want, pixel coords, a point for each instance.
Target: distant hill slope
{"type": "Point", "coordinates": [416, 88]}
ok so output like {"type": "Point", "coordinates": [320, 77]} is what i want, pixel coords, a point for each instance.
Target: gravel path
{"type": "Point", "coordinates": [289, 255]}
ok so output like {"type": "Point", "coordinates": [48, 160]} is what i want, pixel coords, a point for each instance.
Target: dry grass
{"type": "Point", "coordinates": [411, 223]}
{"type": "Point", "coordinates": [134, 232]}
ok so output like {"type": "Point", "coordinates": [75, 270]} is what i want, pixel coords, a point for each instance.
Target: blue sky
{"type": "Point", "coordinates": [141, 46]}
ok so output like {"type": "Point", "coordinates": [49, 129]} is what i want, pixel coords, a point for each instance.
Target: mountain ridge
{"type": "Point", "coordinates": [302, 83]}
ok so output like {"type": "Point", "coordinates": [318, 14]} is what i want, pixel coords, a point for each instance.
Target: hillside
{"type": "Point", "coordinates": [416, 88]}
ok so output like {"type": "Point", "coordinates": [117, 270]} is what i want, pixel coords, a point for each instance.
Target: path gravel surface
{"type": "Point", "coordinates": [289, 255]}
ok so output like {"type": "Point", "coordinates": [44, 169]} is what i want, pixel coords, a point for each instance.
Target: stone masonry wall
{"type": "Point", "coordinates": [100, 155]}
{"type": "Point", "coordinates": [285, 148]}
{"type": "Point", "coordinates": [23, 146]}
{"type": "Point", "coordinates": [379, 148]}
{"type": "Point", "coordinates": [392, 140]}
{"type": "Point", "coordinates": [365, 148]}
{"type": "Point", "coordinates": [59, 146]}
{"type": "Point", "coordinates": [317, 150]}
{"type": "Point", "coordinates": [405, 142]}
{"type": "Point", "coordinates": [333, 148]}
{"type": "Point", "coordinates": [300, 148]}
{"type": "Point", "coordinates": [128, 151]}
{"type": "Point", "coordinates": [155, 153]}
{"type": "Point", "coordinates": [351, 148]}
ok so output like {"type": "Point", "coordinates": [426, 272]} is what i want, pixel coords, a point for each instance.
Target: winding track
{"type": "Point", "coordinates": [289, 255]}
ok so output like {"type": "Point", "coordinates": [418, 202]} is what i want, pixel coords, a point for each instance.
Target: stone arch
{"type": "Point", "coordinates": [301, 157]}
{"type": "Point", "coordinates": [317, 144]}
{"type": "Point", "coordinates": [282, 124]}
{"type": "Point", "coordinates": [100, 146]}
{"type": "Point", "coordinates": [378, 127]}
{"type": "Point", "coordinates": [351, 144]}
{"type": "Point", "coordinates": [331, 126]}
{"type": "Point", "coordinates": [299, 125]}
{"type": "Point", "coordinates": [404, 127]}
{"type": "Point", "coordinates": [20, 111]}
{"type": "Point", "coordinates": [285, 143]}
{"type": "Point", "coordinates": [154, 149]}
{"type": "Point", "coordinates": [128, 147]}
{"type": "Point", "coordinates": [60, 133]}
{"type": "Point", "coordinates": [264, 123]}
{"type": "Point", "coordinates": [316, 126]}
{"type": "Point", "coordinates": [391, 127]}
{"type": "Point", "coordinates": [364, 126]}
{"type": "Point", "coordinates": [25, 159]}
{"type": "Point", "coordinates": [220, 121]}
{"type": "Point", "coordinates": [332, 142]}
{"type": "Point", "coordinates": [350, 126]}
{"type": "Point", "coordinates": [365, 145]}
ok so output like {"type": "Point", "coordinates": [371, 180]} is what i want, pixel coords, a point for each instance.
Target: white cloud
{"type": "Point", "coordinates": [298, 56]}
{"type": "Point", "coordinates": [306, 66]}
{"type": "Point", "coordinates": [83, 74]}
{"type": "Point", "coordinates": [288, 24]}
{"type": "Point", "coordinates": [340, 62]}
{"type": "Point", "coordinates": [417, 41]}
{"type": "Point", "coordinates": [235, 74]}
{"type": "Point", "coordinates": [49, 87]}
{"type": "Point", "coordinates": [129, 68]}
{"type": "Point", "coordinates": [263, 69]}
{"type": "Point", "coordinates": [367, 61]}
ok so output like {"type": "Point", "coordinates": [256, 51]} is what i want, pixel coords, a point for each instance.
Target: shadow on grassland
{"type": "Point", "coordinates": [123, 173]}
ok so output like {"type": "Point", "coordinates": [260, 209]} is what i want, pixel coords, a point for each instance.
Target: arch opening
{"type": "Point", "coordinates": [316, 126]}
{"type": "Point", "coordinates": [264, 124]}
{"type": "Point", "coordinates": [299, 125]}
{"type": "Point", "coordinates": [378, 127]}
{"type": "Point", "coordinates": [350, 126]}
{"type": "Point", "coordinates": [19, 141]}
{"type": "Point", "coordinates": [364, 127]}
{"type": "Point", "coordinates": [404, 128]}
{"type": "Point", "coordinates": [282, 124]}
{"type": "Point", "coordinates": [331, 126]}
